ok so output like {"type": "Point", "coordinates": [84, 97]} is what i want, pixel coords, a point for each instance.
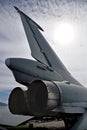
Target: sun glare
{"type": "Point", "coordinates": [64, 33]}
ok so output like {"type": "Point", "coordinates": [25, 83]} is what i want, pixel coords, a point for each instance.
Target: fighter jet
{"type": "Point", "coordinates": [51, 89]}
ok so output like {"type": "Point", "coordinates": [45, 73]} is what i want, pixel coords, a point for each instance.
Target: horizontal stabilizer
{"type": "Point", "coordinates": [9, 119]}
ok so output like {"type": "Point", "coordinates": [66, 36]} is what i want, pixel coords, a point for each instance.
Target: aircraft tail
{"type": "Point", "coordinates": [41, 50]}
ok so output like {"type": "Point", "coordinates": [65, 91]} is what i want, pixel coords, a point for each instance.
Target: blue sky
{"type": "Point", "coordinates": [13, 42]}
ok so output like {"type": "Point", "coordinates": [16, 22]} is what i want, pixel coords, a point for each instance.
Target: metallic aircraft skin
{"type": "Point", "coordinates": [51, 89]}
{"type": "Point", "coordinates": [8, 119]}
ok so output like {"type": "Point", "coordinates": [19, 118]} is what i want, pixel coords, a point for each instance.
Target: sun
{"type": "Point", "coordinates": [64, 33]}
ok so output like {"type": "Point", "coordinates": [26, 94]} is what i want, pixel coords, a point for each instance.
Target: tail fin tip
{"type": "Point", "coordinates": [16, 8]}
{"type": "Point", "coordinates": [29, 18]}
